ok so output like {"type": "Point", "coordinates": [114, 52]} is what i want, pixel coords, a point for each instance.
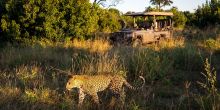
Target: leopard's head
{"type": "Point", "coordinates": [74, 82]}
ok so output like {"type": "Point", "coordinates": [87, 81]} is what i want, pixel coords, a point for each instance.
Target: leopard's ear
{"type": "Point", "coordinates": [70, 76]}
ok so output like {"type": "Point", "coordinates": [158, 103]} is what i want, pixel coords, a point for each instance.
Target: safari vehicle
{"type": "Point", "coordinates": [154, 27]}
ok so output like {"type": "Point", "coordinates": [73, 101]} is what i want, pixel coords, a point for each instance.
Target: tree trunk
{"type": "Point", "coordinates": [159, 6]}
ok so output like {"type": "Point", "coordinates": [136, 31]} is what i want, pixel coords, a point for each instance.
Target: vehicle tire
{"type": "Point", "coordinates": [137, 43]}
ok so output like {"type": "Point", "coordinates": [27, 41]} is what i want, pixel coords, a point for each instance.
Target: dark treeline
{"type": "Point", "coordinates": [206, 15]}
{"type": "Point", "coordinates": [67, 19]}
{"type": "Point", "coordinates": [55, 19]}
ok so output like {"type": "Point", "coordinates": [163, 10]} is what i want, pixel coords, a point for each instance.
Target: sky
{"type": "Point", "coordinates": [140, 5]}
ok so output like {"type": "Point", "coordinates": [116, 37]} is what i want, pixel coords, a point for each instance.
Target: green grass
{"type": "Point", "coordinates": [171, 69]}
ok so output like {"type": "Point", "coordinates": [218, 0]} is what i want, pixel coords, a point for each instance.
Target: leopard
{"type": "Point", "coordinates": [92, 84]}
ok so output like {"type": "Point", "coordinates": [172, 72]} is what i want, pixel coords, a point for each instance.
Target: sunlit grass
{"type": "Point", "coordinates": [8, 94]}
{"type": "Point", "coordinates": [26, 71]}
{"type": "Point", "coordinates": [178, 42]}
{"type": "Point", "coordinates": [99, 46]}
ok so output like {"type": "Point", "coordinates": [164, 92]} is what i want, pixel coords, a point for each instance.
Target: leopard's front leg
{"type": "Point", "coordinates": [81, 97]}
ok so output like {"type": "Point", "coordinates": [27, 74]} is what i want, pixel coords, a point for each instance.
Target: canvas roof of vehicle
{"type": "Point", "coordinates": [150, 14]}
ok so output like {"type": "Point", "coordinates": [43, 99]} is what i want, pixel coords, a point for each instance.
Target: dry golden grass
{"type": "Point", "coordinates": [9, 93]}
{"type": "Point", "coordinates": [171, 43]}
{"type": "Point", "coordinates": [26, 72]}
{"type": "Point", "coordinates": [99, 46]}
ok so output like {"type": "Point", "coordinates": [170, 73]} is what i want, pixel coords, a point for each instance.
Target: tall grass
{"type": "Point", "coordinates": [212, 99]}
{"type": "Point", "coordinates": [28, 81]}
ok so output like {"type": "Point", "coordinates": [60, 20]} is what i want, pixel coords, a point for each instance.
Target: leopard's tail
{"type": "Point", "coordinates": [135, 88]}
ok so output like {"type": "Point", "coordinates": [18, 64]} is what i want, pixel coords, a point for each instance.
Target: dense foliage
{"type": "Point", "coordinates": [207, 14]}
{"type": "Point", "coordinates": [68, 19]}
{"type": "Point", "coordinates": [57, 19]}
{"type": "Point", "coordinates": [204, 16]}
{"type": "Point", "coordinates": [178, 18]}
{"type": "Point", "coordinates": [161, 3]}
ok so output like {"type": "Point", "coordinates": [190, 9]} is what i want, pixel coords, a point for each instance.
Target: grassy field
{"type": "Point", "coordinates": [179, 73]}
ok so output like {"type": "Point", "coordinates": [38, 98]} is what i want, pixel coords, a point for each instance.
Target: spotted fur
{"type": "Point", "coordinates": [91, 85]}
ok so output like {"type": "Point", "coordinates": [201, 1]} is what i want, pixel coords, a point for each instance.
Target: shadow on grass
{"type": "Point", "coordinates": [166, 71]}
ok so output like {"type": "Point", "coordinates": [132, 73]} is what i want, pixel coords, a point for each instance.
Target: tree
{"type": "Point", "coordinates": [109, 20]}
{"type": "Point", "coordinates": [55, 20]}
{"type": "Point", "coordinates": [106, 3]}
{"type": "Point", "coordinates": [149, 8]}
{"type": "Point", "coordinates": [161, 3]}
{"type": "Point", "coordinates": [191, 18]}
{"type": "Point", "coordinates": [178, 18]}
{"type": "Point", "coordinates": [208, 14]}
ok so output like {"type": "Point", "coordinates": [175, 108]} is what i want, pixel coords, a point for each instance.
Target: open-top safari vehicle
{"type": "Point", "coordinates": [153, 27]}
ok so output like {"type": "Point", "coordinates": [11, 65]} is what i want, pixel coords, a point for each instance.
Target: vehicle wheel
{"type": "Point", "coordinates": [137, 43]}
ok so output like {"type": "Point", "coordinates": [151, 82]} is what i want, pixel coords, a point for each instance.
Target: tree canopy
{"type": "Point", "coordinates": [57, 19]}
{"type": "Point", "coordinates": [67, 19]}
{"type": "Point", "coordinates": [207, 14]}
{"type": "Point", "coordinates": [161, 3]}
{"type": "Point", "coordinates": [106, 3]}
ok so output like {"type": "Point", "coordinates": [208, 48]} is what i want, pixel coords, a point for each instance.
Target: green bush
{"type": "Point", "coordinates": [55, 20]}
